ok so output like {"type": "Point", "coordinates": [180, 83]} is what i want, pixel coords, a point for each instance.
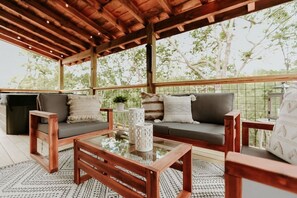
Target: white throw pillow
{"type": "Point", "coordinates": [153, 107]}
{"type": "Point", "coordinates": [84, 108]}
{"type": "Point", "coordinates": [177, 108]}
{"type": "Point", "coordinates": [283, 142]}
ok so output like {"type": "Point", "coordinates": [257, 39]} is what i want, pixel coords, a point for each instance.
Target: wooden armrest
{"type": "Point", "coordinates": [232, 114]}
{"type": "Point", "coordinates": [246, 125]}
{"type": "Point", "coordinates": [273, 173]}
{"type": "Point", "coordinates": [257, 125]}
{"type": "Point", "coordinates": [43, 114]}
{"type": "Point", "coordinates": [106, 109]}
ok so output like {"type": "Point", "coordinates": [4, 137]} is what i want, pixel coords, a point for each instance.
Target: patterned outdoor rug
{"type": "Point", "coordinates": [30, 180]}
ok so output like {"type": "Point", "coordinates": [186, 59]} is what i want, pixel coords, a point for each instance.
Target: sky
{"type": "Point", "coordinates": [10, 64]}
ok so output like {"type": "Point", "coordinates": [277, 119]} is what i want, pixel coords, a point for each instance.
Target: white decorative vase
{"type": "Point", "coordinates": [120, 106]}
{"type": "Point", "coordinates": [144, 137]}
{"type": "Point", "coordinates": [136, 116]}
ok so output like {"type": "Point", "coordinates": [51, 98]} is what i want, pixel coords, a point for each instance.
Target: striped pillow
{"type": "Point", "coordinates": [84, 108]}
{"type": "Point", "coordinates": [153, 108]}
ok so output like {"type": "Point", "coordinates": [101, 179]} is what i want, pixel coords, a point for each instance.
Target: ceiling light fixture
{"type": "Point", "coordinates": [91, 36]}
{"type": "Point", "coordinates": [62, 56]}
{"type": "Point", "coordinates": [47, 22]}
{"type": "Point", "coordinates": [19, 37]}
{"type": "Point", "coordinates": [66, 5]}
{"type": "Point", "coordinates": [51, 51]}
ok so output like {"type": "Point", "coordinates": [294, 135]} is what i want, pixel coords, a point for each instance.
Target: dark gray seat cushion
{"type": "Point", "coordinates": [54, 103]}
{"type": "Point", "coordinates": [74, 129]}
{"type": "Point", "coordinates": [260, 153]}
{"type": "Point", "coordinates": [211, 133]}
{"type": "Point", "coordinates": [211, 107]}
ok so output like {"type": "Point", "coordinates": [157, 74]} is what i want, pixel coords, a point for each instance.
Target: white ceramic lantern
{"type": "Point", "coordinates": [144, 137]}
{"type": "Point", "coordinates": [136, 116]}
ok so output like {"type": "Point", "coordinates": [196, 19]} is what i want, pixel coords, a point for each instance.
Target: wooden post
{"type": "Point", "coordinates": [61, 75]}
{"type": "Point", "coordinates": [151, 59]}
{"type": "Point", "coordinates": [93, 71]}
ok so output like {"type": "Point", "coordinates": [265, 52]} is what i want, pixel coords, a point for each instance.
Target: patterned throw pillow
{"type": "Point", "coordinates": [84, 108]}
{"type": "Point", "coordinates": [283, 142]}
{"type": "Point", "coordinates": [178, 108]}
{"type": "Point", "coordinates": [153, 107]}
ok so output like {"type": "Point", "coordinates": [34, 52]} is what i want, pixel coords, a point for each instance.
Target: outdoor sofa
{"type": "Point", "coordinates": [218, 128]}
{"type": "Point", "coordinates": [50, 126]}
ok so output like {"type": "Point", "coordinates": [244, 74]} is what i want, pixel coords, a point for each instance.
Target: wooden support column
{"type": "Point", "coordinates": [61, 75]}
{"type": "Point", "coordinates": [93, 71]}
{"type": "Point", "coordinates": [151, 59]}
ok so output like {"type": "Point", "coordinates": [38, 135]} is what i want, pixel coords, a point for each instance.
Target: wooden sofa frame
{"type": "Point", "coordinates": [51, 164]}
{"type": "Point", "coordinates": [273, 173]}
{"type": "Point", "coordinates": [232, 135]}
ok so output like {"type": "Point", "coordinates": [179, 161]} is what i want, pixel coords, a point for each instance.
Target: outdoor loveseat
{"type": "Point", "coordinates": [218, 128]}
{"type": "Point", "coordinates": [50, 125]}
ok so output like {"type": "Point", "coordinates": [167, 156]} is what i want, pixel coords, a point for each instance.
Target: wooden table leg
{"type": "Point", "coordinates": [187, 171]}
{"type": "Point", "coordinates": [153, 184]}
{"type": "Point", "coordinates": [76, 169]}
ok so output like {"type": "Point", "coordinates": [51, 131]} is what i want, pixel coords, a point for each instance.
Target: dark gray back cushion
{"type": "Point", "coordinates": [211, 107]}
{"type": "Point", "coordinates": [54, 103]}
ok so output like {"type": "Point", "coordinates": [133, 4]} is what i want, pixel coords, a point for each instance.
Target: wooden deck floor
{"type": "Point", "coordinates": [15, 149]}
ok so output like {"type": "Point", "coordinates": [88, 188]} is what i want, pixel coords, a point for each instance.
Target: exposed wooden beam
{"type": "Point", "coordinates": [25, 46]}
{"type": "Point", "coordinates": [121, 41]}
{"type": "Point", "coordinates": [61, 21]}
{"type": "Point", "coordinates": [33, 38]}
{"type": "Point", "coordinates": [251, 6]}
{"type": "Point", "coordinates": [202, 12]}
{"type": "Point", "coordinates": [166, 6]}
{"type": "Point", "coordinates": [260, 5]}
{"type": "Point", "coordinates": [181, 28]}
{"type": "Point", "coordinates": [31, 45]}
{"type": "Point", "coordinates": [76, 57]}
{"type": "Point", "coordinates": [133, 10]}
{"type": "Point", "coordinates": [111, 19]}
{"type": "Point", "coordinates": [186, 6]}
{"type": "Point", "coordinates": [38, 32]}
{"type": "Point", "coordinates": [21, 12]}
{"type": "Point", "coordinates": [75, 13]}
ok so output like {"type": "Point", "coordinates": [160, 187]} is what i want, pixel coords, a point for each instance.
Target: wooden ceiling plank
{"type": "Point", "coordinates": [29, 43]}
{"type": "Point", "coordinates": [28, 35]}
{"type": "Point", "coordinates": [212, 8]}
{"type": "Point", "coordinates": [43, 23]}
{"type": "Point", "coordinates": [24, 46]}
{"type": "Point", "coordinates": [74, 12]}
{"type": "Point", "coordinates": [41, 33]}
{"type": "Point", "coordinates": [64, 23]}
{"type": "Point", "coordinates": [133, 10]}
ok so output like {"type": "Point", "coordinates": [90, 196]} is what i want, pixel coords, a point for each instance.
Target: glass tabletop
{"type": "Point", "coordinates": [119, 144]}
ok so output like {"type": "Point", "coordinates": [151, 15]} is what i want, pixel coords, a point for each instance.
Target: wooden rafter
{"type": "Point", "coordinates": [75, 13]}
{"type": "Point", "coordinates": [38, 32]}
{"type": "Point", "coordinates": [43, 24]}
{"type": "Point", "coordinates": [29, 43]}
{"type": "Point", "coordinates": [25, 46]}
{"type": "Point", "coordinates": [55, 18]}
{"type": "Point", "coordinates": [251, 6]}
{"type": "Point", "coordinates": [133, 10]}
{"type": "Point", "coordinates": [166, 6]}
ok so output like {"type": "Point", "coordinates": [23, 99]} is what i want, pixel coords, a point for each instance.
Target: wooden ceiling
{"type": "Point", "coordinates": [60, 29]}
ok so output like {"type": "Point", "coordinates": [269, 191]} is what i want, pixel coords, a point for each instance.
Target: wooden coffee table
{"type": "Point", "coordinates": [116, 164]}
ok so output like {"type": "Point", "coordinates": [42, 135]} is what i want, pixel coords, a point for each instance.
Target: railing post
{"type": "Point", "coordinates": [151, 59]}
